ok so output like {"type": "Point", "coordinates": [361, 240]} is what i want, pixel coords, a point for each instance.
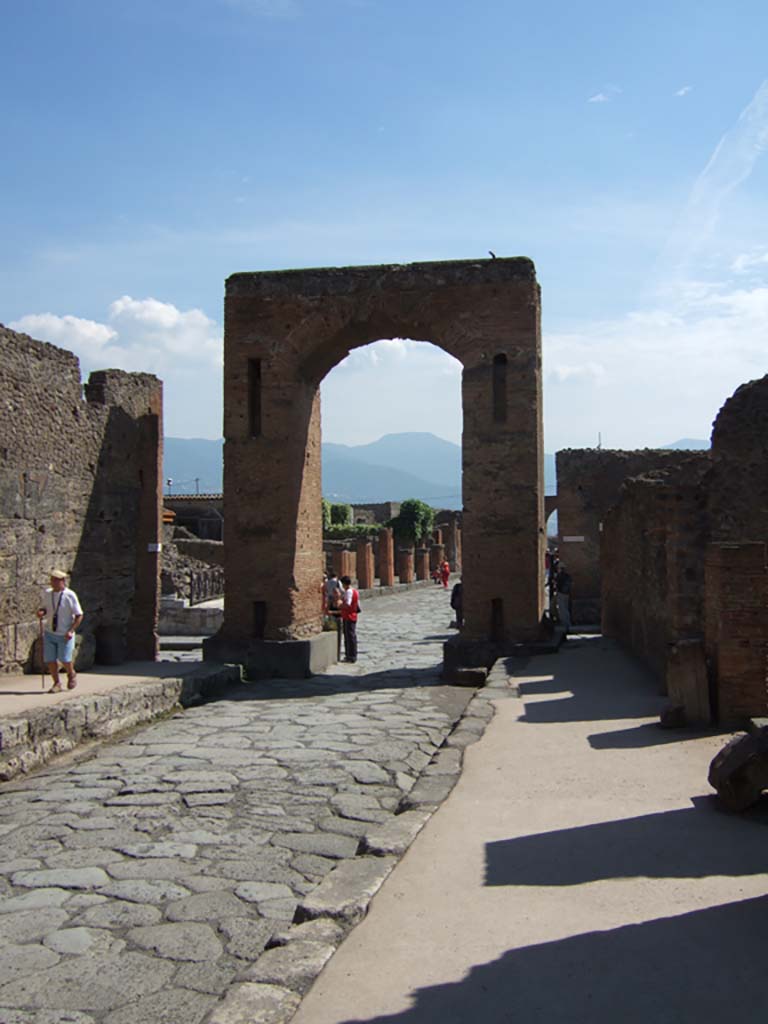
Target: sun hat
{"type": "Point", "coordinates": [58, 574]}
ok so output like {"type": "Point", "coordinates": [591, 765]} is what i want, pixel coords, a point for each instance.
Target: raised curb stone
{"type": "Point", "coordinates": [346, 892]}
{"type": "Point", "coordinates": [255, 1003]}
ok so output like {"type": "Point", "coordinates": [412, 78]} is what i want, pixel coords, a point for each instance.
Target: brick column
{"type": "Point", "coordinates": [436, 556]}
{"type": "Point", "coordinates": [422, 563]}
{"type": "Point", "coordinates": [337, 559]}
{"type": "Point", "coordinates": [364, 564]}
{"type": "Point", "coordinates": [386, 558]}
{"type": "Point", "coordinates": [405, 564]}
{"type": "Point", "coordinates": [453, 546]}
{"type": "Point", "coordinates": [437, 536]}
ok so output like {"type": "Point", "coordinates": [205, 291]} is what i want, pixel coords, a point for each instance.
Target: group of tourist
{"type": "Point", "coordinates": [341, 603]}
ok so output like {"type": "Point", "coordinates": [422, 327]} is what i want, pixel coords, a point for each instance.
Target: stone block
{"type": "Point", "coordinates": [275, 659]}
{"type": "Point", "coordinates": [346, 892]}
{"type": "Point", "coordinates": [739, 772]}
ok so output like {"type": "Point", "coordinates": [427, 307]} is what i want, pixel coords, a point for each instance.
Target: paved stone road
{"type": "Point", "coordinates": [143, 883]}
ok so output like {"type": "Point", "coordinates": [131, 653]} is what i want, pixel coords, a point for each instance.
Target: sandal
{"type": "Point", "coordinates": [56, 688]}
{"type": "Point", "coordinates": [72, 683]}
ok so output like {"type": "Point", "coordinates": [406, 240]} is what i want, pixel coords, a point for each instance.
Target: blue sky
{"type": "Point", "coordinates": [151, 149]}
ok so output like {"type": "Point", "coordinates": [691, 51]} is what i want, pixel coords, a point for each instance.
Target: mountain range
{"type": "Point", "coordinates": [397, 466]}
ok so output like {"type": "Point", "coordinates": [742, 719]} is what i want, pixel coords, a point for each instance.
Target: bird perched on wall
{"type": "Point", "coordinates": [492, 254]}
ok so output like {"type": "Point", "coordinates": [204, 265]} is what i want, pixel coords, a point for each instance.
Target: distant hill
{"type": "Point", "coordinates": [397, 466]}
{"type": "Point", "coordinates": [688, 444]}
{"type": "Point", "coordinates": [194, 464]}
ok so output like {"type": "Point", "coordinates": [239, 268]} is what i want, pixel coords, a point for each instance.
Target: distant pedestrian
{"type": "Point", "coordinates": [61, 608]}
{"type": "Point", "coordinates": [445, 573]}
{"type": "Point", "coordinates": [350, 609]}
{"type": "Point", "coordinates": [457, 603]}
{"type": "Point", "coordinates": [563, 589]}
{"type": "Point", "coordinates": [334, 592]}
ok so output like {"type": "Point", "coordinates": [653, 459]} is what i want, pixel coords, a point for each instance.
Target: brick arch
{"type": "Point", "coordinates": [283, 332]}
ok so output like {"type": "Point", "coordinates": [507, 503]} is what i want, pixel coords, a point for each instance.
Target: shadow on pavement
{"type": "Point", "coordinates": [323, 685]}
{"type": "Point", "coordinates": [650, 734]}
{"type": "Point", "coordinates": [629, 692]}
{"type": "Point", "coordinates": [705, 966]}
{"type": "Point", "coordinates": [694, 842]}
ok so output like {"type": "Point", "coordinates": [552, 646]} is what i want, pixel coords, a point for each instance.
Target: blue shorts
{"type": "Point", "coordinates": [57, 648]}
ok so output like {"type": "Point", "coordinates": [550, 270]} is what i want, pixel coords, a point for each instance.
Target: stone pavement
{"type": "Point", "coordinates": [144, 883]}
{"type": "Point", "coordinates": [581, 871]}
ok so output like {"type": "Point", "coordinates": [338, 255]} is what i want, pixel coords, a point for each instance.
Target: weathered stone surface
{"type": "Point", "coordinates": [254, 1003]}
{"type": "Point", "coordinates": [63, 878]}
{"type": "Point", "coordinates": [206, 906]}
{"type": "Point", "coordinates": [258, 892]}
{"type": "Point", "coordinates": [326, 844]}
{"type": "Point", "coordinates": [172, 1006]}
{"type": "Point", "coordinates": [20, 961]}
{"type": "Point", "coordinates": [89, 983]}
{"type": "Point", "coordinates": [395, 836]}
{"type": "Point", "coordinates": [295, 965]}
{"type": "Point", "coordinates": [739, 772]}
{"type": "Point", "coordinates": [145, 892]}
{"type": "Point", "coordinates": [429, 791]}
{"type": "Point", "coordinates": [36, 899]}
{"type": "Point", "coordinates": [195, 942]}
{"type": "Point", "coordinates": [205, 978]}
{"type": "Point", "coordinates": [30, 925]}
{"type": "Point", "coordinates": [345, 893]}
{"type": "Point", "coordinates": [160, 849]}
{"type": "Point", "coordinates": [246, 937]}
{"type": "Point", "coordinates": [120, 914]}
{"type": "Point", "coordinates": [77, 941]}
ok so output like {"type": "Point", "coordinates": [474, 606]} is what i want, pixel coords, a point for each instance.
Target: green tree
{"type": "Point", "coordinates": [415, 521]}
{"type": "Point", "coordinates": [341, 515]}
{"type": "Point", "coordinates": [326, 513]}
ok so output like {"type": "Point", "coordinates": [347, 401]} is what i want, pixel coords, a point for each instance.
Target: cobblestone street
{"type": "Point", "coordinates": [145, 881]}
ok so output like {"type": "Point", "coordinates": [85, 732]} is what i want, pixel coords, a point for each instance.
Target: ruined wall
{"type": "Point", "coordinates": [690, 543]}
{"type": "Point", "coordinates": [588, 485]}
{"type": "Point", "coordinates": [652, 561]}
{"type": "Point", "coordinates": [80, 484]}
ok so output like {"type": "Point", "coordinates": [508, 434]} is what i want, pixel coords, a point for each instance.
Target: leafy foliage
{"type": "Point", "coordinates": [351, 531]}
{"type": "Point", "coordinates": [341, 515]}
{"type": "Point", "coordinates": [415, 521]}
{"type": "Point", "coordinates": [326, 514]}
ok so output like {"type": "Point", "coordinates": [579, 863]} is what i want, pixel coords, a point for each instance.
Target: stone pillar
{"type": "Point", "coordinates": [436, 556]}
{"type": "Point", "coordinates": [364, 564]}
{"type": "Point", "coordinates": [405, 564]}
{"type": "Point", "coordinates": [422, 563]}
{"type": "Point", "coordinates": [437, 536]}
{"type": "Point", "coordinates": [337, 558]}
{"type": "Point", "coordinates": [386, 558]}
{"type": "Point", "coordinates": [453, 546]}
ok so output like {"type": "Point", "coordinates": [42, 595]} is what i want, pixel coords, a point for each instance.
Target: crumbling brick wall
{"type": "Point", "coordinates": [588, 485]}
{"type": "Point", "coordinates": [711, 519]}
{"type": "Point", "coordinates": [652, 561]}
{"type": "Point", "coordinates": [80, 484]}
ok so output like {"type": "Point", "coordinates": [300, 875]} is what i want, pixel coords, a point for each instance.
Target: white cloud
{"type": "Point", "coordinates": [599, 97]}
{"type": "Point", "coordinates": [730, 165]}
{"type": "Point", "coordinates": [654, 375]}
{"type": "Point", "coordinates": [85, 337]}
{"type": "Point", "coordinates": [391, 353]}
{"type": "Point", "coordinates": [748, 261]}
{"type": "Point", "coordinates": [684, 90]}
{"type": "Point", "coordinates": [183, 347]}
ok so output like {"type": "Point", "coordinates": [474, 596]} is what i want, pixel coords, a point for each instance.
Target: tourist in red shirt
{"type": "Point", "coordinates": [350, 609]}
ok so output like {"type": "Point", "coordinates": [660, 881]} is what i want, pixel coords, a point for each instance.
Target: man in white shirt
{"type": "Point", "coordinates": [61, 608]}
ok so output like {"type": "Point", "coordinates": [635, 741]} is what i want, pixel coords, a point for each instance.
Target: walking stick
{"type": "Point", "coordinates": [42, 663]}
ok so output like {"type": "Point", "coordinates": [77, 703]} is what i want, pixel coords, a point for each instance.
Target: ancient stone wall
{"type": "Point", "coordinates": [588, 485]}
{"type": "Point", "coordinates": [683, 558]}
{"type": "Point", "coordinates": [653, 542]}
{"type": "Point", "coordinates": [80, 485]}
